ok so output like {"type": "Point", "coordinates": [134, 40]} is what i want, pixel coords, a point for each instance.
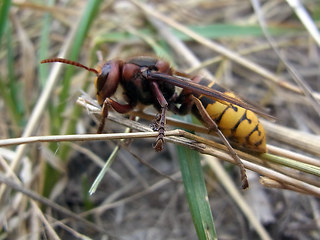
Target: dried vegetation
{"type": "Point", "coordinates": [263, 53]}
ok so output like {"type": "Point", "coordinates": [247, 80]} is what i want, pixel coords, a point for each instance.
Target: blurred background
{"type": "Point", "coordinates": [134, 201]}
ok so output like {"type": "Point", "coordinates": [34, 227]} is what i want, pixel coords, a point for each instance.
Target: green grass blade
{"type": "Point", "coordinates": [103, 171]}
{"type": "Point", "coordinates": [230, 30]}
{"type": "Point", "coordinates": [14, 86]}
{"type": "Point", "coordinates": [303, 167]}
{"type": "Point", "coordinates": [196, 192]}
{"type": "Point", "coordinates": [4, 12]}
{"type": "Point", "coordinates": [44, 46]}
{"type": "Point", "coordinates": [10, 89]}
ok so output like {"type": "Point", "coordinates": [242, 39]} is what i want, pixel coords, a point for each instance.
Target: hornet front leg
{"type": "Point", "coordinates": [118, 107]}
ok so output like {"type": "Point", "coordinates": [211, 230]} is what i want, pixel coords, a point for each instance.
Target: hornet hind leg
{"type": "Point", "coordinates": [213, 126]}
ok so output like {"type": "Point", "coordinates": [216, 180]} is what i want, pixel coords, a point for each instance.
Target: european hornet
{"type": "Point", "coordinates": [151, 81]}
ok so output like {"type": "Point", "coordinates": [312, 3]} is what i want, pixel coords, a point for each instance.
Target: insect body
{"type": "Point", "coordinates": [236, 123]}
{"type": "Point", "coordinates": [152, 81]}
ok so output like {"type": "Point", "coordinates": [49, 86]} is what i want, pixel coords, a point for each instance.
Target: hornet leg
{"type": "Point", "coordinates": [120, 108]}
{"type": "Point", "coordinates": [160, 120]}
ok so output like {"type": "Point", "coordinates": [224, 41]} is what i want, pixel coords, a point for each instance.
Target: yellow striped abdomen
{"type": "Point", "coordinates": [240, 125]}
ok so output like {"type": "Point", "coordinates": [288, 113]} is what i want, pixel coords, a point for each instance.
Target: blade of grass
{"type": "Point", "coordinates": [196, 192]}
{"type": "Point", "coordinates": [10, 97]}
{"type": "Point", "coordinates": [9, 89]}
{"type": "Point", "coordinates": [208, 31]}
{"type": "Point", "coordinates": [103, 171]}
{"type": "Point", "coordinates": [44, 46]}
{"type": "Point", "coordinates": [307, 168]}
{"type": "Point", "coordinates": [4, 12]}
{"type": "Point", "coordinates": [230, 30]}
{"type": "Point", "coordinates": [16, 91]}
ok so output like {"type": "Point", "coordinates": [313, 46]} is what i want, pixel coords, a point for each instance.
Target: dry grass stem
{"type": "Point", "coordinates": [82, 137]}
